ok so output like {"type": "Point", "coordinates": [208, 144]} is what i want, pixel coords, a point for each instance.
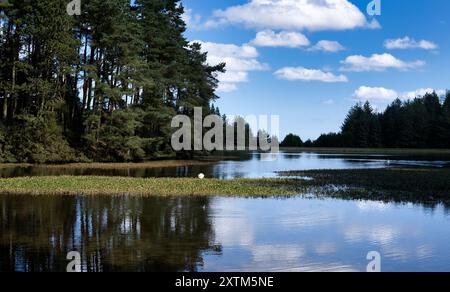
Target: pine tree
{"type": "Point", "coordinates": [292, 140]}
{"type": "Point", "coordinates": [433, 107]}
{"type": "Point", "coordinates": [113, 76]}
{"type": "Point", "coordinates": [445, 123]}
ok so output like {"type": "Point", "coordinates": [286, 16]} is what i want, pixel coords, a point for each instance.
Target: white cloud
{"type": "Point", "coordinates": [269, 38]}
{"type": "Point", "coordinates": [421, 92]}
{"type": "Point", "coordinates": [303, 74]}
{"type": "Point", "coordinates": [327, 46]}
{"type": "Point", "coordinates": [377, 62]}
{"type": "Point", "coordinates": [229, 50]}
{"type": "Point", "coordinates": [375, 94]}
{"type": "Point", "coordinates": [373, 206]}
{"type": "Point", "coordinates": [379, 234]}
{"type": "Point", "coordinates": [374, 24]}
{"type": "Point", "coordinates": [325, 248]}
{"type": "Point", "coordinates": [226, 87]}
{"type": "Point", "coordinates": [409, 43]}
{"type": "Point", "coordinates": [328, 102]}
{"type": "Point", "coordinates": [240, 60]}
{"type": "Point", "coordinates": [313, 15]}
{"type": "Point", "coordinates": [193, 21]}
{"type": "Point", "coordinates": [269, 254]}
{"type": "Point", "coordinates": [385, 95]}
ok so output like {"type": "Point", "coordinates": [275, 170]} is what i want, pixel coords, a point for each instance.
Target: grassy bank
{"type": "Point", "coordinates": [91, 185]}
{"type": "Point", "coordinates": [412, 185]}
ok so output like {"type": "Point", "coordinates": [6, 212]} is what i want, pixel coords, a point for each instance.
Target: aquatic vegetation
{"type": "Point", "coordinates": [392, 184]}
{"type": "Point", "coordinates": [93, 185]}
{"type": "Point", "coordinates": [402, 185]}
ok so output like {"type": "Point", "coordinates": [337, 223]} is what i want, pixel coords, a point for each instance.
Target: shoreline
{"type": "Point", "coordinates": [113, 165]}
{"type": "Point", "coordinates": [227, 155]}
{"type": "Point", "coordinates": [370, 151]}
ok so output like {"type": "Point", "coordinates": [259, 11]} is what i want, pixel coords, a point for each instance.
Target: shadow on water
{"type": "Point", "coordinates": [186, 171]}
{"type": "Point", "coordinates": [250, 165]}
{"type": "Point", "coordinates": [112, 234]}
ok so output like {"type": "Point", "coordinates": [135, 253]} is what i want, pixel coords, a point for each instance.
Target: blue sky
{"type": "Point", "coordinates": [309, 61]}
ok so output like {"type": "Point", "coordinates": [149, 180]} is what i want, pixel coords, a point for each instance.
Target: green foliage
{"type": "Point", "coordinates": [115, 138]}
{"type": "Point", "coordinates": [362, 127]}
{"type": "Point", "coordinates": [328, 140]}
{"type": "Point", "coordinates": [420, 123]}
{"type": "Point", "coordinates": [292, 140]}
{"type": "Point", "coordinates": [136, 68]}
{"type": "Point", "coordinates": [308, 143]}
{"type": "Point", "coordinates": [131, 134]}
{"type": "Point", "coordinates": [5, 148]}
{"type": "Point", "coordinates": [40, 139]}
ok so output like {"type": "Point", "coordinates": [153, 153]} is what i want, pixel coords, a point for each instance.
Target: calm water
{"type": "Point", "coordinates": [217, 234]}
{"type": "Point", "coordinates": [224, 234]}
{"type": "Point", "coordinates": [253, 165]}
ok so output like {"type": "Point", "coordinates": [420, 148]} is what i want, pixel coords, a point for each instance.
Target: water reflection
{"type": "Point", "coordinates": [252, 165]}
{"type": "Point", "coordinates": [220, 234]}
{"type": "Point", "coordinates": [112, 234]}
{"type": "Point", "coordinates": [330, 235]}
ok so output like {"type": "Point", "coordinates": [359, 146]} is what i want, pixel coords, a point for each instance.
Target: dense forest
{"type": "Point", "coordinates": [420, 123]}
{"type": "Point", "coordinates": [104, 86]}
{"type": "Point", "coordinates": [101, 86]}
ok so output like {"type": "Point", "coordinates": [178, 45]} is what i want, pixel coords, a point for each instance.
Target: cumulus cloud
{"type": "Point", "coordinates": [229, 50]}
{"type": "Point", "coordinates": [304, 74]}
{"type": "Point", "coordinates": [192, 20]}
{"type": "Point", "coordinates": [374, 24]}
{"type": "Point", "coordinates": [313, 15]}
{"type": "Point", "coordinates": [421, 92]}
{"type": "Point", "coordinates": [409, 43]}
{"type": "Point", "coordinates": [327, 46]}
{"type": "Point", "coordinates": [377, 62]}
{"type": "Point", "coordinates": [268, 254]}
{"type": "Point", "coordinates": [375, 94]}
{"type": "Point", "coordinates": [240, 60]}
{"type": "Point", "coordinates": [226, 87]}
{"type": "Point", "coordinates": [385, 95]}
{"type": "Point", "coordinates": [269, 38]}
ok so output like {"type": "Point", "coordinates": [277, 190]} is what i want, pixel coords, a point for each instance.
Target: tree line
{"type": "Point", "coordinates": [101, 86]}
{"type": "Point", "coordinates": [420, 123]}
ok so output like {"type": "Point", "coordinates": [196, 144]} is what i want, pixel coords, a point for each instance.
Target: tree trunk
{"type": "Point", "coordinates": [5, 107]}
{"type": "Point", "coordinates": [85, 84]}
{"type": "Point", "coordinates": [13, 90]}
{"type": "Point", "coordinates": [89, 82]}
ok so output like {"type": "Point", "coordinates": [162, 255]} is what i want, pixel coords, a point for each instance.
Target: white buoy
{"type": "Point", "coordinates": [201, 176]}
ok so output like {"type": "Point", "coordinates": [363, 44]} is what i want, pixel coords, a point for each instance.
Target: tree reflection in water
{"type": "Point", "coordinates": [111, 233]}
